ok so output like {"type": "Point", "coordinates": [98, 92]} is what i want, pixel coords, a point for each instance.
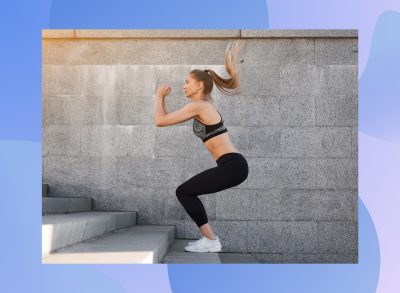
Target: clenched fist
{"type": "Point", "coordinates": [163, 90]}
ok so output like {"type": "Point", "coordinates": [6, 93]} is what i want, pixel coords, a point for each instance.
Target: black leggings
{"type": "Point", "coordinates": [232, 170]}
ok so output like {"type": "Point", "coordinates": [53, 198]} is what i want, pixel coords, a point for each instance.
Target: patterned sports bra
{"type": "Point", "coordinates": [205, 132]}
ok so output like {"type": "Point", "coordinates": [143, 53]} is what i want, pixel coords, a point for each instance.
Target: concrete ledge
{"type": "Point", "coordinates": [196, 34]}
{"type": "Point", "coordinates": [328, 33]}
{"type": "Point", "coordinates": [45, 189]}
{"type": "Point", "coordinates": [53, 205]}
{"type": "Point", "coordinates": [177, 33]}
{"type": "Point", "coordinates": [177, 254]}
{"type": "Point", "coordinates": [62, 230]}
{"type": "Point", "coordinates": [145, 244]}
{"type": "Point", "coordinates": [57, 33]}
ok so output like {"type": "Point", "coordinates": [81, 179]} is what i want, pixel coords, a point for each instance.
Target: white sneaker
{"type": "Point", "coordinates": [205, 245]}
{"type": "Point", "coordinates": [194, 242]}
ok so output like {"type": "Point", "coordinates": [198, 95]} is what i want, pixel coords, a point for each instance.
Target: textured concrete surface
{"type": "Point", "coordinates": [178, 255]}
{"type": "Point", "coordinates": [56, 205]}
{"type": "Point", "coordinates": [134, 245]}
{"type": "Point", "coordinates": [65, 229]}
{"type": "Point", "coordinates": [295, 121]}
{"type": "Point", "coordinates": [198, 33]}
{"type": "Point", "coordinates": [45, 189]}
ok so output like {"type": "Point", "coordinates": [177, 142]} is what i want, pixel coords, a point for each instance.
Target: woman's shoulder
{"type": "Point", "coordinates": [206, 106]}
{"type": "Point", "coordinates": [206, 110]}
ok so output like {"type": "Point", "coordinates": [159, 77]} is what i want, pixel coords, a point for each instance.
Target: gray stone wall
{"type": "Point", "coordinates": [295, 121]}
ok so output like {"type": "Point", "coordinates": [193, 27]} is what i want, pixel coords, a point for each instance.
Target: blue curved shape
{"type": "Point", "coordinates": [21, 74]}
{"type": "Point", "coordinates": [379, 85]}
{"type": "Point", "coordinates": [361, 277]}
{"type": "Point", "coordinates": [156, 14]}
{"type": "Point", "coordinates": [22, 269]}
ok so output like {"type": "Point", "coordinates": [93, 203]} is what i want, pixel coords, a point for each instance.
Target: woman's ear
{"type": "Point", "coordinates": [200, 85]}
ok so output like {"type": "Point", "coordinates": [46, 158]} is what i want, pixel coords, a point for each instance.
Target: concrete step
{"type": "Point", "coordinates": [177, 254]}
{"type": "Point", "coordinates": [61, 230]}
{"type": "Point", "coordinates": [45, 189]}
{"type": "Point", "coordinates": [144, 244]}
{"type": "Point", "coordinates": [58, 205]}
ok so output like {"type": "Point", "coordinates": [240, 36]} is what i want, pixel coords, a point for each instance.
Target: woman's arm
{"type": "Point", "coordinates": [162, 118]}
{"type": "Point", "coordinates": [164, 104]}
{"type": "Point", "coordinates": [185, 113]}
{"type": "Point", "coordinates": [160, 109]}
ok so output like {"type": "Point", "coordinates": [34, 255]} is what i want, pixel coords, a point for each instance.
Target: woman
{"type": "Point", "coordinates": [232, 168]}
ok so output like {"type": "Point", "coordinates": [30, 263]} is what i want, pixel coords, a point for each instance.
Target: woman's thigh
{"type": "Point", "coordinates": [209, 181]}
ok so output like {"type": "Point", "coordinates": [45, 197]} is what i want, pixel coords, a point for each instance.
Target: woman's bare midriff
{"type": "Point", "coordinates": [220, 144]}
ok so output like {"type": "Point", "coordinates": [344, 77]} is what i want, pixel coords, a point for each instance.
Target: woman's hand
{"type": "Point", "coordinates": [163, 90]}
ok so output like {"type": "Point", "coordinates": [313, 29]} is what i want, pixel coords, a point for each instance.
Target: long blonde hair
{"type": "Point", "coordinates": [209, 77]}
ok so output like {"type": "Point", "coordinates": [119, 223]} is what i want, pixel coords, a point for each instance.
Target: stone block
{"type": "Point", "coordinates": [64, 170]}
{"type": "Point", "coordinates": [339, 80]}
{"type": "Point", "coordinates": [101, 171]}
{"type": "Point", "coordinates": [282, 236]}
{"type": "Point", "coordinates": [213, 55]}
{"type": "Point", "coordinates": [297, 110]}
{"type": "Point", "coordinates": [260, 80]}
{"type": "Point", "coordinates": [286, 204]}
{"type": "Point", "coordinates": [114, 140]}
{"type": "Point", "coordinates": [262, 111]}
{"type": "Point", "coordinates": [279, 173]}
{"type": "Point", "coordinates": [354, 143]}
{"type": "Point", "coordinates": [316, 142]}
{"type": "Point", "coordinates": [80, 110]}
{"type": "Point", "coordinates": [336, 51]}
{"type": "Point", "coordinates": [117, 51]}
{"type": "Point", "coordinates": [135, 110]}
{"type": "Point", "coordinates": [138, 80]}
{"type": "Point", "coordinates": [300, 80]}
{"type": "Point", "coordinates": [338, 237]}
{"type": "Point", "coordinates": [278, 51]}
{"type": "Point", "coordinates": [264, 142]}
{"type": "Point", "coordinates": [62, 80]}
{"type": "Point", "coordinates": [337, 173]}
{"type": "Point", "coordinates": [336, 110]}
{"type": "Point", "coordinates": [69, 190]}
{"type": "Point", "coordinates": [143, 171]}
{"type": "Point", "coordinates": [127, 198]}
{"type": "Point", "coordinates": [61, 110]}
{"type": "Point", "coordinates": [61, 140]}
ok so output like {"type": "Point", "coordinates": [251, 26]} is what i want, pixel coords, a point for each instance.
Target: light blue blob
{"type": "Point", "coordinates": [379, 86]}
{"type": "Point", "coordinates": [21, 263]}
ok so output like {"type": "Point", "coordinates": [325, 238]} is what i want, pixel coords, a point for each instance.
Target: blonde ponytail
{"type": "Point", "coordinates": [225, 85]}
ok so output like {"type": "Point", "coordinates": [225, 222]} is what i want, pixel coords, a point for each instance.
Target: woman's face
{"type": "Point", "coordinates": [191, 86]}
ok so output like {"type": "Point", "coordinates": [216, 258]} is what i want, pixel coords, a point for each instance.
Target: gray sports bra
{"type": "Point", "coordinates": [205, 132]}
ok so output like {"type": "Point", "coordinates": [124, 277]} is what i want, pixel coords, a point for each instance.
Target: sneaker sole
{"type": "Point", "coordinates": [191, 243]}
{"type": "Point", "coordinates": [203, 250]}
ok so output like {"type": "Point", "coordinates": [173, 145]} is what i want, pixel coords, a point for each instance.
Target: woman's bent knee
{"type": "Point", "coordinates": [180, 191]}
